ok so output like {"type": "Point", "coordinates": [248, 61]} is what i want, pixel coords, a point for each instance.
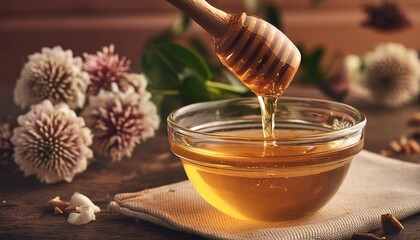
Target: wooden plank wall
{"type": "Point", "coordinates": [86, 25]}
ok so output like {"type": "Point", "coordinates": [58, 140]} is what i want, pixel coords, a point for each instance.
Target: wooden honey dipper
{"type": "Point", "coordinates": [256, 52]}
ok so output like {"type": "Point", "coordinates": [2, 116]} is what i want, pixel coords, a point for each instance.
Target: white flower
{"type": "Point", "coordinates": [139, 82]}
{"type": "Point", "coordinates": [51, 142]}
{"type": "Point", "coordinates": [392, 74]}
{"type": "Point", "coordinates": [85, 207]}
{"type": "Point", "coordinates": [85, 216]}
{"type": "Point", "coordinates": [52, 74]}
{"type": "Point", "coordinates": [78, 199]}
{"type": "Point", "coordinates": [120, 120]}
{"type": "Point", "coordinates": [106, 68]}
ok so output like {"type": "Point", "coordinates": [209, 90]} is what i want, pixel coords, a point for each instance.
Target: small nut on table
{"type": "Point", "coordinates": [403, 140]}
{"type": "Point", "coordinates": [405, 145]}
{"type": "Point", "coordinates": [395, 146]}
{"type": "Point", "coordinates": [366, 236]}
{"type": "Point", "coordinates": [414, 145]}
{"type": "Point", "coordinates": [391, 225]}
{"type": "Point", "coordinates": [58, 211]}
{"type": "Point", "coordinates": [57, 202]}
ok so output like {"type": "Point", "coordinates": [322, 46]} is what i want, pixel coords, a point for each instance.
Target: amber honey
{"type": "Point", "coordinates": [258, 54]}
{"type": "Point", "coordinates": [262, 58]}
{"type": "Point", "coordinates": [267, 182]}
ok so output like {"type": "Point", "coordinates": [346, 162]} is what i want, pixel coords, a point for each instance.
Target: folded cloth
{"type": "Point", "coordinates": [375, 185]}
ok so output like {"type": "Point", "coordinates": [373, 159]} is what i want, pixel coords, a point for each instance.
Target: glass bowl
{"type": "Point", "coordinates": [244, 175]}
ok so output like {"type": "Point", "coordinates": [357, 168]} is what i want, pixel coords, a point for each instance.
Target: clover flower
{"type": "Point", "coordinates": [392, 74]}
{"type": "Point", "coordinates": [52, 74]}
{"type": "Point", "coordinates": [51, 142]}
{"type": "Point", "coordinates": [119, 121]}
{"type": "Point", "coordinates": [106, 68]}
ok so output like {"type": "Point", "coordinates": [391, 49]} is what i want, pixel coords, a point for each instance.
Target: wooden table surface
{"type": "Point", "coordinates": [25, 215]}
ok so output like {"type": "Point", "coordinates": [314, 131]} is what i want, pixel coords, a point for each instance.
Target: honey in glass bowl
{"type": "Point", "coordinates": [247, 176]}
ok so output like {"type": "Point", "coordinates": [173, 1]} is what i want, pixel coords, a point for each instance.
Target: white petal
{"type": "Point", "coordinates": [79, 199]}
{"type": "Point", "coordinates": [85, 216]}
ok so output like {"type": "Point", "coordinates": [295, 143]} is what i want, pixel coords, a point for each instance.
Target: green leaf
{"type": "Point", "coordinates": [194, 90]}
{"type": "Point", "coordinates": [200, 48]}
{"type": "Point", "coordinates": [311, 71]}
{"type": "Point", "coordinates": [184, 58]}
{"type": "Point", "coordinates": [167, 65]}
{"type": "Point", "coordinates": [317, 55]}
{"type": "Point", "coordinates": [179, 75]}
{"type": "Point", "coordinates": [159, 70]}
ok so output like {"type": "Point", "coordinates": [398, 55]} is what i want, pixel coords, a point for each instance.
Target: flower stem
{"type": "Point", "coordinates": [164, 92]}
{"type": "Point", "coordinates": [226, 87]}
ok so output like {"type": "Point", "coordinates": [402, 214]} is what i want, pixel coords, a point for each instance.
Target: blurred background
{"type": "Point", "coordinates": [86, 25]}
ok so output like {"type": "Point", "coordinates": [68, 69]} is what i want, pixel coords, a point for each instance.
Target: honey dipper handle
{"type": "Point", "coordinates": [213, 20]}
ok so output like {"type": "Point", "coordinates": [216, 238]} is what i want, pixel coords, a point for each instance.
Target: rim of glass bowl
{"type": "Point", "coordinates": [359, 117]}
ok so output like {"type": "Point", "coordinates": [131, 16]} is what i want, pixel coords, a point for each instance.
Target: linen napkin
{"type": "Point", "coordinates": [375, 185]}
